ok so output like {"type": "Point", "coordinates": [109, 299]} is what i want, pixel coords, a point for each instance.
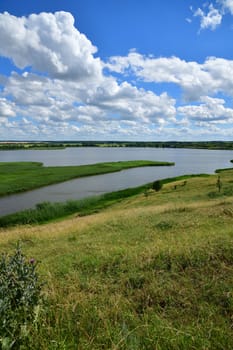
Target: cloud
{"type": "Point", "coordinates": [195, 79]}
{"type": "Point", "coordinates": [129, 102]}
{"type": "Point", "coordinates": [49, 43]}
{"type": "Point", "coordinates": [6, 108]}
{"type": "Point", "coordinates": [227, 5]}
{"type": "Point", "coordinates": [49, 103]}
{"type": "Point", "coordinates": [210, 20]}
{"type": "Point", "coordinates": [213, 16]}
{"type": "Point", "coordinates": [210, 110]}
{"type": "Point", "coordinates": [72, 86]}
{"type": "Point", "coordinates": [63, 90]}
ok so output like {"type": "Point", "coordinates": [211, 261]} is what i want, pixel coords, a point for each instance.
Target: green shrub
{"type": "Point", "coordinates": [20, 294]}
{"type": "Point", "coordinates": [157, 185]}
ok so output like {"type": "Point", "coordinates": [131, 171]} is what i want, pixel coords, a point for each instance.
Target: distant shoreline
{"type": "Point", "coordinates": [50, 145]}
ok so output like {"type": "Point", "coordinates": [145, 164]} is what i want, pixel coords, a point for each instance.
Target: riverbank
{"type": "Point", "coordinates": [151, 271]}
{"type": "Point", "coordinates": [18, 177]}
{"type": "Point", "coordinates": [47, 211]}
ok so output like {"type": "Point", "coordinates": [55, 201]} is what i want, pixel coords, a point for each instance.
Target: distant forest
{"type": "Point", "coordinates": [15, 145]}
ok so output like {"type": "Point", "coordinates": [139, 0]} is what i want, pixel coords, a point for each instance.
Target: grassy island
{"type": "Point", "coordinates": [24, 176]}
{"type": "Point", "coordinates": [153, 271]}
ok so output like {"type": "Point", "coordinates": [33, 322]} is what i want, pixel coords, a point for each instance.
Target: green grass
{"type": "Point", "coordinates": [24, 176]}
{"type": "Point", "coordinates": [148, 273]}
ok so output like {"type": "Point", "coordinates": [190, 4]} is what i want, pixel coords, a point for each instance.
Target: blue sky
{"type": "Point", "coordinates": [116, 70]}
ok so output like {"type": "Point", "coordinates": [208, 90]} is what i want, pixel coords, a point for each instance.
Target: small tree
{"type": "Point", "coordinates": [157, 185]}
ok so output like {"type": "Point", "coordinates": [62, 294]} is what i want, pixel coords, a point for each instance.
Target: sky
{"type": "Point", "coordinates": [116, 70]}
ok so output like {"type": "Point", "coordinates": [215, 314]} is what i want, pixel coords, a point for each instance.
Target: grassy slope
{"type": "Point", "coordinates": [24, 176]}
{"type": "Point", "coordinates": [148, 273]}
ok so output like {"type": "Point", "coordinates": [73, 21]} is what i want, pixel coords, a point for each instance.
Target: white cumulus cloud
{"type": "Point", "coordinates": [196, 79]}
{"type": "Point", "coordinates": [210, 110]}
{"type": "Point", "coordinates": [48, 43]}
{"type": "Point", "coordinates": [63, 91]}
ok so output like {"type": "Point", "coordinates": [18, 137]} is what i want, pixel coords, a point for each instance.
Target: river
{"type": "Point", "coordinates": [187, 161]}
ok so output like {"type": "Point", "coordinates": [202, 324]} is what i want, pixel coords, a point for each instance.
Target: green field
{"type": "Point", "coordinates": [25, 176]}
{"type": "Point", "coordinates": [153, 272]}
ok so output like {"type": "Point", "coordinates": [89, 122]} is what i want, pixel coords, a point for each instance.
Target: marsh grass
{"type": "Point", "coordinates": [49, 211]}
{"type": "Point", "coordinates": [146, 273]}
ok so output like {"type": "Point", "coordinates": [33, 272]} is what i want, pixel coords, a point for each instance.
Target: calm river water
{"type": "Point", "coordinates": [187, 161]}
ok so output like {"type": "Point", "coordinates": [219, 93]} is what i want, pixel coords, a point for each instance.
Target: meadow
{"type": "Point", "coordinates": [151, 271]}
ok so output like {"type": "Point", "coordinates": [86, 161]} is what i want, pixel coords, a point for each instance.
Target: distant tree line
{"type": "Point", "coordinates": [14, 145]}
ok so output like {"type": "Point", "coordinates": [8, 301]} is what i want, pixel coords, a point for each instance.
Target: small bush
{"type": "Point", "coordinates": [157, 185]}
{"type": "Point", "coordinates": [20, 293]}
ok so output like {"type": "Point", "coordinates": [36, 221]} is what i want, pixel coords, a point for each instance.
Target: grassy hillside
{"type": "Point", "coordinates": [152, 272]}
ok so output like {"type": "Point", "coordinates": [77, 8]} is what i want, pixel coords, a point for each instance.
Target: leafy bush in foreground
{"type": "Point", "coordinates": [19, 298]}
